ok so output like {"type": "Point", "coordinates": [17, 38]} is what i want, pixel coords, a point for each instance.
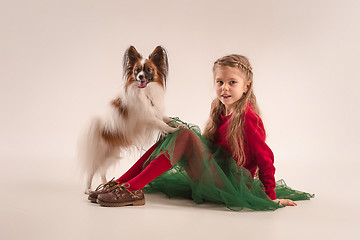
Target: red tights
{"type": "Point", "coordinates": [186, 144]}
{"type": "Point", "coordinates": [138, 178]}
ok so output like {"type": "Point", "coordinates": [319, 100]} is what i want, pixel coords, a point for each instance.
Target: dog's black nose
{"type": "Point", "coordinates": [141, 77]}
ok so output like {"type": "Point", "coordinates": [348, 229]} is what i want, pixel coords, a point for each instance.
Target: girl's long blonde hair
{"type": "Point", "coordinates": [235, 133]}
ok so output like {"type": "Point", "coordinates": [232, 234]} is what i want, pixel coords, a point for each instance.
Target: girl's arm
{"type": "Point", "coordinates": [255, 136]}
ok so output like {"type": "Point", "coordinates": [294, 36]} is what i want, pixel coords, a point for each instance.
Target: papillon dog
{"type": "Point", "coordinates": [133, 117]}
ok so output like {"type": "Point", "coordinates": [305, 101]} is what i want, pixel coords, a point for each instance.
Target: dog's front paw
{"type": "Point", "coordinates": [171, 130]}
{"type": "Point", "coordinates": [181, 126]}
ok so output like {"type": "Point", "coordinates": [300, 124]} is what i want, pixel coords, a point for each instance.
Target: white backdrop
{"type": "Point", "coordinates": [60, 63]}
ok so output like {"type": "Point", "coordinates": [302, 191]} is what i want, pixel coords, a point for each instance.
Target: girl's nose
{"type": "Point", "coordinates": [225, 87]}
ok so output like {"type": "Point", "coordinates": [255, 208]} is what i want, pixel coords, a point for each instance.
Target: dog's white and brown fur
{"type": "Point", "coordinates": [133, 117]}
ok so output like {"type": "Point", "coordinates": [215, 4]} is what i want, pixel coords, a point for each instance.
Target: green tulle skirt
{"type": "Point", "coordinates": [203, 171]}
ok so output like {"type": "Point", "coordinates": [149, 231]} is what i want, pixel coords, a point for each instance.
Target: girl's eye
{"type": "Point", "coordinates": [219, 83]}
{"type": "Point", "coordinates": [232, 82]}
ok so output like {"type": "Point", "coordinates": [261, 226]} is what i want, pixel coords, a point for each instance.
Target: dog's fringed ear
{"type": "Point", "coordinates": [159, 58]}
{"type": "Point", "coordinates": [131, 56]}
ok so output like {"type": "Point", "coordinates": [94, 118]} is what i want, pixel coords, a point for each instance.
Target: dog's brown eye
{"type": "Point", "coordinates": [149, 69]}
{"type": "Point", "coordinates": [136, 69]}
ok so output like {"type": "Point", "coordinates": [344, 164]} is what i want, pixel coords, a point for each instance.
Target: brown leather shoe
{"type": "Point", "coordinates": [121, 196]}
{"type": "Point", "coordinates": [102, 188]}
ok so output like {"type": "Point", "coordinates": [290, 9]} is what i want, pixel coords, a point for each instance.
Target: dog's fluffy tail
{"type": "Point", "coordinates": [92, 151]}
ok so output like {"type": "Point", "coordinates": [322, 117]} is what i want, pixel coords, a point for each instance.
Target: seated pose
{"type": "Point", "coordinates": [219, 166]}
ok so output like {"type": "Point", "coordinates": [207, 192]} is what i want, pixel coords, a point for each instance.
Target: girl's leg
{"type": "Point", "coordinates": [137, 167]}
{"type": "Point", "coordinates": [186, 144]}
{"type": "Point", "coordinates": [156, 167]}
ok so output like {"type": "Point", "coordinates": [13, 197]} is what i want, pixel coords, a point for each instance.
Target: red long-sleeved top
{"type": "Point", "coordinates": [257, 152]}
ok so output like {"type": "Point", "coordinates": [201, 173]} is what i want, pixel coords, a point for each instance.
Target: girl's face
{"type": "Point", "coordinates": [230, 85]}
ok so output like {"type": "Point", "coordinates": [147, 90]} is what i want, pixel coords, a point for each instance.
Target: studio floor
{"type": "Point", "coordinates": [37, 204]}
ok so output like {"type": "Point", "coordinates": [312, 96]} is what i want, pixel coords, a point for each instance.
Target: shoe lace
{"type": "Point", "coordinates": [124, 187]}
{"type": "Point", "coordinates": [109, 184]}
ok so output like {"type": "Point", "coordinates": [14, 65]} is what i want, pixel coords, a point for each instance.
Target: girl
{"type": "Point", "coordinates": [220, 165]}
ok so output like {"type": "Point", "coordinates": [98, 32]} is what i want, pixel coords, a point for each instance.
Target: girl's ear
{"type": "Point", "coordinates": [247, 86]}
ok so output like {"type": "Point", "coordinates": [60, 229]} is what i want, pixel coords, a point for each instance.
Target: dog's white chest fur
{"type": "Point", "coordinates": [146, 103]}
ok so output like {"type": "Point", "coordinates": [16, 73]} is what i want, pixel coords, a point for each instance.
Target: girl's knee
{"type": "Point", "coordinates": [186, 135]}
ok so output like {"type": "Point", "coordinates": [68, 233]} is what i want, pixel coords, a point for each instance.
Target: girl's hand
{"type": "Point", "coordinates": [285, 202]}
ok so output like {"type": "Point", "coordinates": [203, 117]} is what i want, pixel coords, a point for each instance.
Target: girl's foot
{"type": "Point", "coordinates": [102, 188]}
{"type": "Point", "coordinates": [121, 196]}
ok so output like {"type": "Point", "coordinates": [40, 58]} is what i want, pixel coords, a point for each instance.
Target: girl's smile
{"type": "Point", "coordinates": [230, 85]}
{"type": "Point", "coordinates": [225, 96]}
